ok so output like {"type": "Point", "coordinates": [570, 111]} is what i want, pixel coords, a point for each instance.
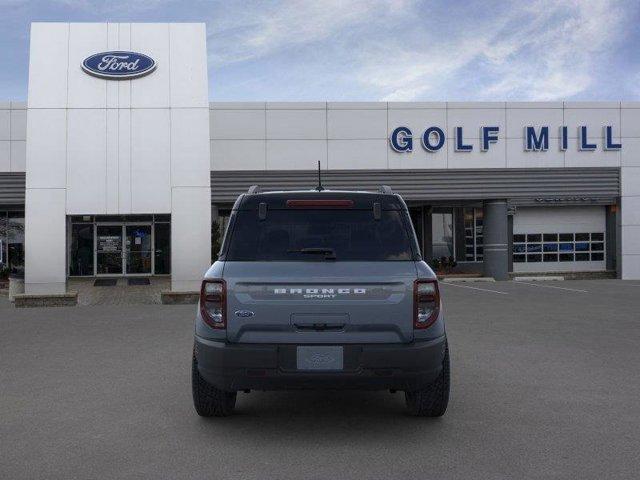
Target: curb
{"type": "Point", "coordinates": [538, 279]}
{"type": "Point", "coordinates": [468, 279]}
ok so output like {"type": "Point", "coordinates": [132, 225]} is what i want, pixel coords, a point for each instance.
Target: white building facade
{"type": "Point", "coordinates": [137, 175]}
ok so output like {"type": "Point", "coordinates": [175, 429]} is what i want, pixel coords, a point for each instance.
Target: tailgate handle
{"type": "Point", "coordinates": [320, 327]}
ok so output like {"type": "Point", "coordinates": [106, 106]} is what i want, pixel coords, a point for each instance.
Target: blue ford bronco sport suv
{"type": "Point", "coordinates": [320, 289]}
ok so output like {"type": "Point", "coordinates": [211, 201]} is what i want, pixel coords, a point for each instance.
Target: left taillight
{"type": "Point", "coordinates": [213, 303]}
{"type": "Point", "coordinates": [426, 303]}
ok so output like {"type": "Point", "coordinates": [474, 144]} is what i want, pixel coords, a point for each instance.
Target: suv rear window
{"type": "Point", "coordinates": [352, 235]}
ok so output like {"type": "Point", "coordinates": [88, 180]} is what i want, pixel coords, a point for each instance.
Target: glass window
{"type": "Point", "coordinates": [15, 242]}
{"type": "Point", "coordinates": [473, 219]}
{"type": "Point", "coordinates": [469, 236]}
{"type": "Point", "coordinates": [566, 247]}
{"type": "Point", "coordinates": [479, 213]}
{"type": "Point", "coordinates": [138, 249]}
{"type": "Point", "coordinates": [82, 219]}
{"type": "Point", "coordinates": [519, 258]}
{"type": "Point", "coordinates": [442, 234]}
{"type": "Point", "coordinates": [3, 243]}
{"type": "Point", "coordinates": [218, 229]}
{"type": "Point", "coordinates": [582, 247]}
{"type": "Point", "coordinates": [81, 251]}
{"type": "Point", "coordinates": [110, 218]}
{"type": "Point", "coordinates": [567, 250]}
{"type": "Point", "coordinates": [109, 249]}
{"type": "Point", "coordinates": [534, 258]}
{"type": "Point", "coordinates": [352, 235]}
{"type": "Point", "coordinates": [162, 248]}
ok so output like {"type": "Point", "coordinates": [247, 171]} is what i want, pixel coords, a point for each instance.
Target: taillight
{"type": "Point", "coordinates": [326, 203]}
{"type": "Point", "coordinates": [213, 303]}
{"type": "Point", "coordinates": [426, 303]}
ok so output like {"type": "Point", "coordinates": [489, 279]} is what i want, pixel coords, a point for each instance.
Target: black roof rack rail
{"type": "Point", "coordinates": [253, 189]}
{"type": "Point", "coordinates": [386, 189]}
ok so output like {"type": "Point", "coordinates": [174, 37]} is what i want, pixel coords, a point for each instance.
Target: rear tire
{"type": "Point", "coordinates": [208, 400]}
{"type": "Point", "coordinates": [431, 401]}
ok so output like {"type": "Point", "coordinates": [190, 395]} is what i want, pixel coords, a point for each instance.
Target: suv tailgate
{"type": "Point", "coordinates": [320, 302]}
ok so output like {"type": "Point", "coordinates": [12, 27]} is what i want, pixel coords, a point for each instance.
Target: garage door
{"type": "Point", "coordinates": [559, 239]}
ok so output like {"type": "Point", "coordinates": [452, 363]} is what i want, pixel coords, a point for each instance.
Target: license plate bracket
{"type": "Point", "coordinates": [320, 358]}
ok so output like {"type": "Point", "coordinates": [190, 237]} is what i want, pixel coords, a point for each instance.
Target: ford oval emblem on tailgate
{"type": "Point", "coordinates": [244, 313]}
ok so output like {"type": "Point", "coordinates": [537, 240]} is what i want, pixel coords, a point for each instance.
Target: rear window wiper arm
{"type": "Point", "coordinates": [329, 253]}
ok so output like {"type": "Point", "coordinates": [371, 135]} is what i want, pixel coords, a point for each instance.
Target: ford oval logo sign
{"type": "Point", "coordinates": [118, 65]}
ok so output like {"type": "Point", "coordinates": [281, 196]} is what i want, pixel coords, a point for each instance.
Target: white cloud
{"type": "Point", "coordinates": [247, 33]}
{"type": "Point", "coordinates": [407, 50]}
{"type": "Point", "coordinates": [546, 51]}
{"type": "Point", "coordinates": [400, 49]}
{"type": "Point", "coordinates": [100, 6]}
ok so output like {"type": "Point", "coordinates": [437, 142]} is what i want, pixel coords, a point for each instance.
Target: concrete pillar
{"type": "Point", "coordinates": [496, 254]}
{"type": "Point", "coordinates": [190, 237]}
{"type": "Point", "coordinates": [629, 266]}
{"type": "Point", "coordinates": [45, 241]}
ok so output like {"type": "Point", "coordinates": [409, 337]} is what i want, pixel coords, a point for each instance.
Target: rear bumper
{"type": "Point", "coordinates": [273, 367]}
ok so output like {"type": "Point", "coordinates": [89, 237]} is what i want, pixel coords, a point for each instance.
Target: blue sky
{"type": "Point", "coordinates": [378, 49]}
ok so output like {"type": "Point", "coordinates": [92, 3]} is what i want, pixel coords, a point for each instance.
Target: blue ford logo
{"type": "Point", "coordinates": [118, 65]}
{"type": "Point", "coordinates": [244, 313]}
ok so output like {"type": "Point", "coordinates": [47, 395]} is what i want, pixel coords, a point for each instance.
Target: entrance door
{"type": "Point", "coordinates": [109, 250]}
{"type": "Point", "coordinates": [139, 249]}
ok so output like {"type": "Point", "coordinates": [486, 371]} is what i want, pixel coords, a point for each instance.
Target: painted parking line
{"type": "Point", "coordinates": [473, 288]}
{"type": "Point", "coordinates": [552, 286]}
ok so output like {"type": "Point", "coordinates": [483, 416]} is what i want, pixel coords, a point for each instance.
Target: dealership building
{"type": "Point", "coordinates": [118, 165]}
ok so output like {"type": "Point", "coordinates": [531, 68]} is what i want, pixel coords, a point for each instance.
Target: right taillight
{"type": "Point", "coordinates": [213, 303]}
{"type": "Point", "coordinates": [426, 303]}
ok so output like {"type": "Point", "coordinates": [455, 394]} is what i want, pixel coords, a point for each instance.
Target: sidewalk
{"type": "Point", "coordinates": [121, 293]}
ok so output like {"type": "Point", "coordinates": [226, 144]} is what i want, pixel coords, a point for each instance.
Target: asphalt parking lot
{"type": "Point", "coordinates": [545, 384]}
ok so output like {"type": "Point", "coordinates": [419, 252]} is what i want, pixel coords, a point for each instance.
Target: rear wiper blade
{"type": "Point", "coordinates": [329, 253]}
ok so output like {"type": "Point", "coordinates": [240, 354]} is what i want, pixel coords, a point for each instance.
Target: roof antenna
{"type": "Point", "coordinates": [320, 187]}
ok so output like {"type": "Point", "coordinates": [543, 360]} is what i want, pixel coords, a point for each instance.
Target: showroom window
{"type": "Point", "coordinates": [473, 218]}
{"type": "Point", "coordinates": [558, 247]}
{"type": "Point", "coordinates": [218, 229]}
{"type": "Point", "coordinates": [12, 242]}
{"type": "Point", "coordinates": [120, 245]}
{"type": "Point", "coordinates": [442, 231]}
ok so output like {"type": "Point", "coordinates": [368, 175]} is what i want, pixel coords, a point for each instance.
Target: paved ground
{"type": "Point", "coordinates": [121, 293]}
{"type": "Point", "coordinates": [545, 385]}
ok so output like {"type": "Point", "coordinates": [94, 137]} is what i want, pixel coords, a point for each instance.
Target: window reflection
{"type": "Point", "coordinates": [442, 231]}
